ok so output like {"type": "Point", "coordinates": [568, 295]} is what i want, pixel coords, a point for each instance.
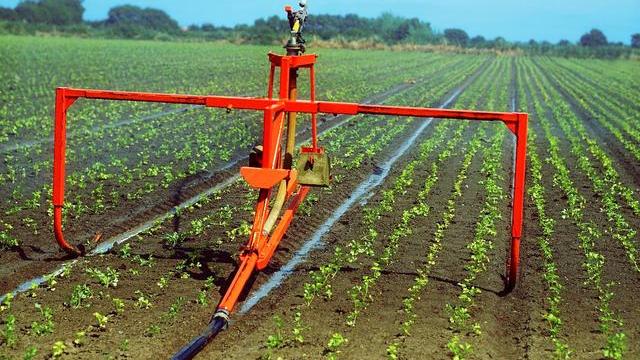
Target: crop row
{"type": "Point", "coordinates": [610, 324]}
{"type": "Point", "coordinates": [227, 69]}
{"type": "Point", "coordinates": [606, 185]}
{"type": "Point", "coordinates": [197, 228]}
{"type": "Point", "coordinates": [546, 241]}
{"type": "Point", "coordinates": [422, 280]}
{"type": "Point", "coordinates": [85, 293]}
{"type": "Point", "coordinates": [158, 164]}
{"type": "Point", "coordinates": [623, 125]}
{"type": "Point", "coordinates": [618, 79]}
{"type": "Point", "coordinates": [361, 293]}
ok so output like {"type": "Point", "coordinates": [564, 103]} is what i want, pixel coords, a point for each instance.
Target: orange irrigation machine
{"type": "Point", "coordinates": [282, 186]}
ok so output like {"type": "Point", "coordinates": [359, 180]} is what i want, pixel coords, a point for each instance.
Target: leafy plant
{"type": "Point", "coordinates": [163, 283]}
{"type": "Point", "coordinates": [9, 337]}
{"type": "Point", "coordinates": [79, 296]}
{"type": "Point", "coordinates": [5, 305]}
{"type": "Point", "coordinates": [616, 346]}
{"type": "Point", "coordinates": [80, 338]}
{"type": "Point", "coordinates": [30, 353]}
{"type": "Point", "coordinates": [58, 349]}
{"type": "Point", "coordinates": [459, 350]}
{"type": "Point", "coordinates": [119, 306]}
{"type": "Point", "coordinates": [333, 346]}
{"type": "Point", "coordinates": [175, 308]}
{"type": "Point", "coordinates": [174, 239]}
{"type": "Point", "coordinates": [125, 251]}
{"type": "Point", "coordinates": [107, 278]}
{"type": "Point", "coordinates": [124, 345]}
{"type": "Point", "coordinates": [153, 330]}
{"type": "Point", "coordinates": [142, 301]}
{"type": "Point", "coordinates": [102, 320]}
{"type": "Point", "coordinates": [298, 328]}
{"type": "Point", "coordinates": [276, 340]}
{"type": "Point", "coordinates": [47, 325]}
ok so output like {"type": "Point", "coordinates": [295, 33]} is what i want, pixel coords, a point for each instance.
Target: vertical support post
{"type": "Point", "coordinates": [292, 118]}
{"type": "Point", "coordinates": [314, 116]}
{"type": "Point", "coordinates": [272, 73]}
{"type": "Point", "coordinates": [267, 138]}
{"type": "Point", "coordinates": [59, 154]}
{"type": "Point", "coordinates": [59, 149]}
{"type": "Point", "coordinates": [521, 131]}
{"type": "Point", "coordinates": [285, 66]}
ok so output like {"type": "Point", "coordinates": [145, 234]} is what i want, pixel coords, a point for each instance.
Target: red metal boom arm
{"type": "Point", "coordinates": [65, 97]}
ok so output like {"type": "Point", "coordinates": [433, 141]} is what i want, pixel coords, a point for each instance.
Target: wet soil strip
{"type": "Point", "coordinates": [107, 245]}
{"type": "Point", "coordinates": [373, 181]}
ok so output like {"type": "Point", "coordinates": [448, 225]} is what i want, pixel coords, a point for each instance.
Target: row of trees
{"type": "Point", "coordinates": [52, 12]}
{"type": "Point", "coordinates": [124, 21]}
{"type": "Point", "coordinates": [134, 22]}
{"type": "Point", "coordinates": [387, 28]}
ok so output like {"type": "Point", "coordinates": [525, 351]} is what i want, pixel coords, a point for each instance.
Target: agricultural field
{"type": "Point", "coordinates": [408, 247]}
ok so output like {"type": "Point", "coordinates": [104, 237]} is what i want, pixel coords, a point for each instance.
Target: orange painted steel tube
{"type": "Point", "coordinates": [243, 274]}
{"type": "Point", "coordinates": [266, 253]}
{"type": "Point", "coordinates": [274, 110]}
{"type": "Point", "coordinates": [518, 199]}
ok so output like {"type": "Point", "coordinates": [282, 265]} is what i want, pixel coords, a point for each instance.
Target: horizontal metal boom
{"type": "Point", "coordinates": [309, 107]}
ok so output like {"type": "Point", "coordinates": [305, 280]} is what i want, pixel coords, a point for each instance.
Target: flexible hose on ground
{"type": "Point", "coordinates": [196, 345]}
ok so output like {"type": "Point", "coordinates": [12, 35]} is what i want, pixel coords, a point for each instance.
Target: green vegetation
{"type": "Point", "coordinates": [451, 190]}
{"type": "Point", "coordinates": [46, 326]}
{"type": "Point", "coordinates": [133, 22]}
{"type": "Point", "coordinates": [81, 293]}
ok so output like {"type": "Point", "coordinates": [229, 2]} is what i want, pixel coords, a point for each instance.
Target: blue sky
{"type": "Point", "coordinates": [513, 19]}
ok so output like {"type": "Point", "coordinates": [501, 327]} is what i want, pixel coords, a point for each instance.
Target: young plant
{"type": "Point", "coordinates": [175, 308]}
{"type": "Point", "coordinates": [80, 295]}
{"type": "Point", "coordinates": [80, 338]}
{"type": "Point", "coordinates": [9, 337]}
{"type": "Point", "coordinates": [276, 340]}
{"type": "Point", "coordinates": [118, 304]}
{"type": "Point", "coordinates": [102, 320]}
{"type": "Point", "coordinates": [333, 346]}
{"type": "Point", "coordinates": [125, 251]}
{"type": "Point", "coordinates": [174, 239]}
{"type": "Point", "coordinates": [202, 298]}
{"type": "Point", "coordinates": [298, 328]}
{"type": "Point", "coordinates": [5, 305]}
{"type": "Point", "coordinates": [142, 302]}
{"type": "Point", "coordinates": [163, 283]}
{"type": "Point", "coordinates": [47, 325]}
{"type": "Point", "coordinates": [152, 330]}
{"type": "Point", "coordinates": [616, 346]}
{"type": "Point", "coordinates": [58, 349]}
{"type": "Point", "coordinates": [107, 278]}
{"type": "Point", "coordinates": [459, 349]}
{"type": "Point", "coordinates": [124, 345]}
{"type": "Point", "coordinates": [30, 353]}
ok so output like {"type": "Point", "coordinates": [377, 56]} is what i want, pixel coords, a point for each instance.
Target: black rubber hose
{"type": "Point", "coordinates": [196, 345]}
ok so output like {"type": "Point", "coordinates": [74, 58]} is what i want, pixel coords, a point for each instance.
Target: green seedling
{"type": "Point", "coordinates": [58, 349]}
{"type": "Point", "coordinates": [47, 325]}
{"type": "Point", "coordinates": [102, 320]}
{"type": "Point", "coordinates": [80, 295]}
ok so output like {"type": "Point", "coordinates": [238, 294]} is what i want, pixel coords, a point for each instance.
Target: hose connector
{"type": "Point", "coordinates": [221, 314]}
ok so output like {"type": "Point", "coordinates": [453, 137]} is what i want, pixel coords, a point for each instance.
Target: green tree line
{"type": "Point", "coordinates": [128, 21]}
